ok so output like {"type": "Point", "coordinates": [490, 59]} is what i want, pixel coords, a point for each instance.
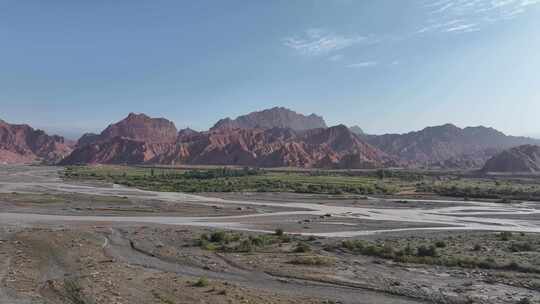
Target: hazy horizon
{"type": "Point", "coordinates": [71, 67]}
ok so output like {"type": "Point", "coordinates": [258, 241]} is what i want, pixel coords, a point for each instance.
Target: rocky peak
{"type": "Point", "coordinates": [277, 117]}
{"type": "Point", "coordinates": [137, 127]}
{"type": "Point", "coordinates": [186, 134]}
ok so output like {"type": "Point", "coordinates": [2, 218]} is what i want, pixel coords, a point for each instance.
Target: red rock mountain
{"type": "Point", "coordinates": [520, 159]}
{"type": "Point", "coordinates": [23, 144]}
{"type": "Point", "coordinates": [277, 117]}
{"type": "Point", "coordinates": [335, 147]}
{"type": "Point", "coordinates": [278, 147]}
{"type": "Point", "coordinates": [447, 145]}
{"type": "Point", "coordinates": [137, 127]}
{"type": "Point", "coordinates": [139, 139]}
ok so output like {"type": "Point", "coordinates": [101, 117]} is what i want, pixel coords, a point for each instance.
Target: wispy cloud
{"type": "Point", "coordinates": [436, 17]}
{"type": "Point", "coordinates": [464, 16]}
{"type": "Point", "coordinates": [365, 64]}
{"type": "Point", "coordinates": [337, 57]}
{"type": "Point", "coordinates": [319, 41]}
{"type": "Point", "coordinates": [463, 28]}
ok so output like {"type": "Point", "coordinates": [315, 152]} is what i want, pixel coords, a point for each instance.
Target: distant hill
{"type": "Point", "coordinates": [23, 144]}
{"type": "Point", "coordinates": [447, 146]}
{"type": "Point", "coordinates": [277, 117]}
{"type": "Point", "coordinates": [520, 159]}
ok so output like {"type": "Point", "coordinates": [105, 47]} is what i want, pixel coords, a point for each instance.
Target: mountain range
{"type": "Point", "coordinates": [276, 137]}
{"type": "Point", "coordinates": [275, 146]}
{"type": "Point", "coordinates": [447, 146]}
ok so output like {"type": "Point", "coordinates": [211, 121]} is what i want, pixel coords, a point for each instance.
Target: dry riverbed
{"type": "Point", "coordinates": [63, 242]}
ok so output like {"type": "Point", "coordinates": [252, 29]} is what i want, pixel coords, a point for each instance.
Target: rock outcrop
{"type": "Point", "coordinates": [137, 127]}
{"type": "Point", "coordinates": [522, 159]}
{"type": "Point", "coordinates": [23, 144]}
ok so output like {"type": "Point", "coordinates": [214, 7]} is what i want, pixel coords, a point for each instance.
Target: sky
{"type": "Point", "coordinates": [75, 66]}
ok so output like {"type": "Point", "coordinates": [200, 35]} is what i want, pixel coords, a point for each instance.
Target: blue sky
{"type": "Point", "coordinates": [72, 66]}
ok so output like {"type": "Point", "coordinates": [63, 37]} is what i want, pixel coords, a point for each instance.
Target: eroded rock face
{"type": "Point", "coordinates": [447, 145]}
{"type": "Point", "coordinates": [23, 144]}
{"type": "Point", "coordinates": [520, 159]}
{"type": "Point", "coordinates": [137, 127]}
{"type": "Point", "coordinates": [277, 117]}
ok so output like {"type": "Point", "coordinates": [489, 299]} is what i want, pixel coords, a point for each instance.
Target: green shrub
{"type": "Point", "coordinates": [245, 246]}
{"type": "Point", "coordinates": [302, 248]}
{"type": "Point", "coordinates": [202, 282]}
{"type": "Point", "coordinates": [424, 251]}
{"type": "Point", "coordinates": [285, 238]}
{"type": "Point", "coordinates": [258, 241]}
{"type": "Point", "coordinates": [74, 292]}
{"type": "Point", "coordinates": [440, 244]}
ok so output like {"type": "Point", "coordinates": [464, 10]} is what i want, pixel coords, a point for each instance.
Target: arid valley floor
{"type": "Point", "coordinates": [94, 242]}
